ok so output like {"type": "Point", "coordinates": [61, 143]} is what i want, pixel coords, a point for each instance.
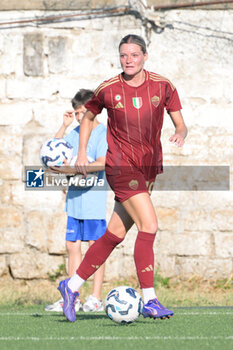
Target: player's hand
{"type": "Point", "coordinates": [81, 164]}
{"type": "Point", "coordinates": [68, 118]}
{"type": "Point", "coordinates": [64, 169]}
{"type": "Point", "coordinates": [177, 139]}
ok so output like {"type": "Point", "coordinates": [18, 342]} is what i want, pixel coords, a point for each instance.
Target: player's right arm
{"type": "Point", "coordinates": [84, 135]}
{"type": "Point", "coordinates": [68, 118]}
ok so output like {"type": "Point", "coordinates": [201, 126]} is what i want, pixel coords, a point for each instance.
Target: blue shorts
{"type": "Point", "coordinates": [84, 230]}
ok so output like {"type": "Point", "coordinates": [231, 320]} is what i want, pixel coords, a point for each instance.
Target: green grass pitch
{"type": "Point", "coordinates": [24, 328]}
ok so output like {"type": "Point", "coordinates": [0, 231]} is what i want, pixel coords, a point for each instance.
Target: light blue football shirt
{"type": "Point", "coordinates": [88, 203]}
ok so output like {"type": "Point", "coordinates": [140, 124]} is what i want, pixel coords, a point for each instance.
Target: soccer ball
{"type": "Point", "coordinates": [123, 305]}
{"type": "Point", "coordinates": [54, 151]}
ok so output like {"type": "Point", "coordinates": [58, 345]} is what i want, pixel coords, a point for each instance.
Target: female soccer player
{"type": "Point", "coordinates": [135, 101]}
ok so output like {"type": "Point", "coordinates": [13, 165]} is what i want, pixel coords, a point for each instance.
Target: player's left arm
{"type": "Point", "coordinates": [180, 128]}
{"type": "Point", "coordinates": [97, 165]}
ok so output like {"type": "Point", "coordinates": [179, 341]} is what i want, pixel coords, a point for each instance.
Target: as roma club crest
{"type": "Point", "coordinates": [155, 100]}
{"type": "Point", "coordinates": [137, 102]}
{"type": "Point", "coordinates": [133, 184]}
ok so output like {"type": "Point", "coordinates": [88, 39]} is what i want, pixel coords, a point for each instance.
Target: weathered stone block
{"type": "Point", "coordinates": [30, 264]}
{"type": "Point", "coordinates": [165, 264]}
{"type": "Point", "coordinates": [223, 245]}
{"type": "Point", "coordinates": [192, 146]}
{"type": "Point", "coordinates": [203, 266]}
{"type": "Point", "coordinates": [11, 141]}
{"type": "Point", "coordinates": [187, 243]}
{"type": "Point", "coordinates": [175, 199]}
{"type": "Point", "coordinates": [222, 220]}
{"type": "Point", "coordinates": [2, 88]}
{"type": "Point", "coordinates": [213, 112]}
{"type": "Point", "coordinates": [113, 268]}
{"type": "Point", "coordinates": [59, 5]}
{"type": "Point", "coordinates": [15, 113]}
{"type": "Point", "coordinates": [5, 190]}
{"type": "Point", "coordinates": [11, 54]}
{"type": "Point", "coordinates": [127, 267]}
{"type": "Point", "coordinates": [31, 149]}
{"type": "Point", "coordinates": [50, 116]}
{"type": "Point", "coordinates": [178, 3]}
{"type": "Point", "coordinates": [210, 200]}
{"type": "Point", "coordinates": [10, 217]}
{"type": "Point", "coordinates": [196, 220]}
{"type": "Point", "coordinates": [56, 233]}
{"type": "Point", "coordinates": [79, 68]}
{"type": "Point", "coordinates": [3, 265]}
{"type": "Point", "coordinates": [33, 54]}
{"type": "Point", "coordinates": [10, 168]}
{"type": "Point", "coordinates": [220, 146]}
{"type": "Point", "coordinates": [70, 86]}
{"type": "Point", "coordinates": [36, 230]}
{"type": "Point", "coordinates": [127, 246]}
{"type": "Point", "coordinates": [32, 200]}
{"type": "Point", "coordinates": [168, 219]}
{"type": "Point", "coordinates": [59, 59]}
{"type": "Point", "coordinates": [12, 240]}
{"type": "Point", "coordinates": [33, 88]}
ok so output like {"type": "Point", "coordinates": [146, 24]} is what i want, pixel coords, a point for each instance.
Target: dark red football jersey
{"type": "Point", "coordinates": [135, 119]}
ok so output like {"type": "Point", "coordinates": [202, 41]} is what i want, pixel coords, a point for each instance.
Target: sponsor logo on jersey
{"type": "Point", "coordinates": [117, 97]}
{"type": "Point", "coordinates": [119, 105]}
{"type": "Point", "coordinates": [137, 102]}
{"type": "Point", "coordinates": [133, 184]}
{"type": "Point", "coordinates": [155, 100]}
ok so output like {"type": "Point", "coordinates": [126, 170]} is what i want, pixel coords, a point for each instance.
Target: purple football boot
{"type": "Point", "coordinates": [154, 310]}
{"type": "Point", "coordinates": [69, 300]}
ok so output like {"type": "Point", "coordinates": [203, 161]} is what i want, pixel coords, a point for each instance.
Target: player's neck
{"type": "Point", "coordinates": [135, 80]}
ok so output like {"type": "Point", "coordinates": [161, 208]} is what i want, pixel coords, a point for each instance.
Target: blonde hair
{"type": "Point", "coordinates": [134, 39]}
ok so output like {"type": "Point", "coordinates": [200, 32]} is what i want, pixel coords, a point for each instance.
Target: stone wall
{"type": "Point", "coordinates": [52, 5]}
{"type": "Point", "coordinates": [44, 63]}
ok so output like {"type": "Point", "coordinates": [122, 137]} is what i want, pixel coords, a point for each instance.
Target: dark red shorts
{"type": "Point", "coordinates": [126, 184]}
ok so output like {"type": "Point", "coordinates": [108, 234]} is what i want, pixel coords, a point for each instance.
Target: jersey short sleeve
{"type": "Point", "coordinates": [172, 103]}
{"type": "Point", "coordinates": [95, 105]}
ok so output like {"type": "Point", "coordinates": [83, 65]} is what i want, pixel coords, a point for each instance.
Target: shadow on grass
{"type": "Point", "coordinates": [79, 316]}
{"type": "Point", "coordinates": [86, 317]}
{"type": "Point", "coordinates": [201, 307]}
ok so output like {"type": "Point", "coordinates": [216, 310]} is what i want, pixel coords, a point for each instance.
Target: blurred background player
{"type": "Point", "coordinates": [86, 208]}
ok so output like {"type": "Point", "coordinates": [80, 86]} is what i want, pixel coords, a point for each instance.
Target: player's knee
{"type": "Point", "coordinates": [72, 247]}
{"type": "Point", "coordinates": [120, 235]}
{"type": "Point", "coordinates": [150, 227]}
{"type": "Point", "coordinates": [120, 232]}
